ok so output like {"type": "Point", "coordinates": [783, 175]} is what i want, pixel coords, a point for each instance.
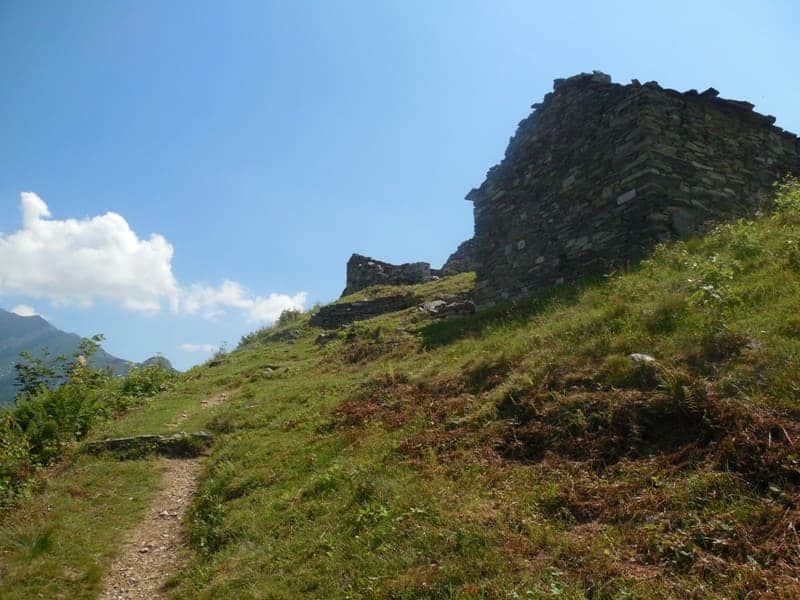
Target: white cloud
{"type": "Point", "coordinates": [78, 261]}
{"type": "Point", "coordinates": [213, 301]}
{"type": "Point", "coordinates": [188, 347]}
{"type": "Point", "coordinates": [23, 310]}
{"type": "Point", "coordinates": [101, 258]}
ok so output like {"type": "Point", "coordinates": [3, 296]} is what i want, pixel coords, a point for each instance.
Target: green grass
{"type": "Point", "coordinates": [517, 453]}
{"type": "Point", "coordinates": [61, 542]}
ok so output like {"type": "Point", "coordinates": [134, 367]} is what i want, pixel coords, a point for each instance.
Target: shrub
{"type": "Point", "coordinates": [15, 461]}
{"type": "Point", "coordinates": [45, 421]}
{"type": "Point", "coordinates": [143, 382]}
{"type": "Point", "coordinates": [623, 372]}
{"type": "Point", "coordinates": [287, 316]}
{"type": "Point", "coordinates": [787, 197]}
{"type": "Point", "coordinates": [51, 419]}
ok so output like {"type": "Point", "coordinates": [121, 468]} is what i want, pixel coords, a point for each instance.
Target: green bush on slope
{"type": "Point", "coordinates": [45, 421]}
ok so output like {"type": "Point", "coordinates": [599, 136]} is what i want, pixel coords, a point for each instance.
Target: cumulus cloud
{"type": "Point", "coordinates": [23, 310]}
{"type": "Point", "coordinates": [77, 262]}
{"type": "Point", "coordinates": [189, 347]}
{"type": "Point", "coordinates": [211, 301]}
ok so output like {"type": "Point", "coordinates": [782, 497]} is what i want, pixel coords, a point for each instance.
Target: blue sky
{"type": "Point", "coordinates": [264, 142]}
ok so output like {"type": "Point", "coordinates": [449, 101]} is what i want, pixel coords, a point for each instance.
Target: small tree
{"type": "Point", "coordinates": [80, 372]}
{"type": "Point", "coordinates": [34, 373]}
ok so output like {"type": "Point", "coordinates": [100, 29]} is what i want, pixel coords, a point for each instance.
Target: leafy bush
{"type": "Point", "coordinates": [787, 198]}
{"type": "Point", "coordinates": [47, 420]}
{"type": "Point", "coordinates": [51, 419]}
{"type": "Point", "coordinates": [15, 460]}
{"type": "Point", "coordinates": [147, 381]}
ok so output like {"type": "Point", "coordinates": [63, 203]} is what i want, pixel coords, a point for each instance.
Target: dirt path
{"type": "Point", "coordinates": [152, 552]}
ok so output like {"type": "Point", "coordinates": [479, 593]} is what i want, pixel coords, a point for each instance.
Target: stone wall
{"type": "Point", "coordinates": [462, 260]}
{"type": "Point", "coordinates": [363, 271]}
{"type": "Point", "coordinates": [333, 316]}
{"type": "Point", "coordinates": [601, 172]}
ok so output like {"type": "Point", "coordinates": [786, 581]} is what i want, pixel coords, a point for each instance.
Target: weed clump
{"type": "Point", "coordinates": [628, 373]}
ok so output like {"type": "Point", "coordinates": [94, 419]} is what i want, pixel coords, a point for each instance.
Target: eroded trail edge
{"type": "Point", "coordinates": [153, 550]}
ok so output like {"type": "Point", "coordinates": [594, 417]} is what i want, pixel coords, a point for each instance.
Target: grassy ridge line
{"type": "Point", "coordinates": [517, 453]}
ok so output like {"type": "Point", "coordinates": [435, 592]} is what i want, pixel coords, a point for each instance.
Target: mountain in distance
{"type": "Point", "coordinates": [32, 334]}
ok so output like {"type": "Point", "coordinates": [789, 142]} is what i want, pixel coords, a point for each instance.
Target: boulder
{"type": "Point", "coordinates": [642, 358]}
{"type": "Point", "coordinates": [441, 308]}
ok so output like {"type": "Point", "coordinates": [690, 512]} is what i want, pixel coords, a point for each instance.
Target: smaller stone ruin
{"type": "Point", "coordinates": [334, 316]}
{"type": "Point", "coordinates": [363, 272]}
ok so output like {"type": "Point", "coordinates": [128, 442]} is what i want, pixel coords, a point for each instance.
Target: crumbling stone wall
{"type": "Point", "coordinates": [333, 316]}
{"type": "Point", "coordinates": [601, 172]}
{"type": "Point", "coordinates": [363, 271]}
{"type": "Point", "coordinates": [462, 260]}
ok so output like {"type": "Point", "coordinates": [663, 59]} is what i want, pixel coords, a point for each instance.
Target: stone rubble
{"type": "Point", "coordinates": [442, 308]}
{"type": "Point", "coordinates": [640, 358]}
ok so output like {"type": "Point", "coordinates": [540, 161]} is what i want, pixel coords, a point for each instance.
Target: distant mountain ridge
{"type": "Point", "coordinates": [32, 334]}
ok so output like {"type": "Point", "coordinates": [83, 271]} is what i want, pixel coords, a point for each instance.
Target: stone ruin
{"type": "Point", "coordinates": [600, 173]}
{"type": "Point", "coordinates": [363, 272]}
{"type": "Point", "coordinates": [333, 316]}
{"type": "Point", "coordinates": [462, 260]}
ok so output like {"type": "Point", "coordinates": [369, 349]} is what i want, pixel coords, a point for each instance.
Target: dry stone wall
{"type": "Point", "coordinates": [363, 272]}
{"type": "Point", "coordinates": [333, 316]}
{"type": "Point", "coordinates": [601, 172]}
{"type": "Point", "coordinates": [462, 260]}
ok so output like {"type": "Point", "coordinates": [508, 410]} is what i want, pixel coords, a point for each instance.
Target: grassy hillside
{"type": "Point", "coordinates": [517, 453]}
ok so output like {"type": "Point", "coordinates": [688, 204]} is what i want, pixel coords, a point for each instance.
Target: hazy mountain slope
{"type": "Point", "coordinates": [32, 334]}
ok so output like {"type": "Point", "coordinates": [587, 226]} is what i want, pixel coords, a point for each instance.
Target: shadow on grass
{"type": "Point", "coordinates": [446, 332]}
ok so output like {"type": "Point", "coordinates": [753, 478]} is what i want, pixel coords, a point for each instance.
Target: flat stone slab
{"type": "Point", "coordinates": [177, 445]}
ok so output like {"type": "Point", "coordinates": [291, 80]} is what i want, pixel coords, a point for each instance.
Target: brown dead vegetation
{"type": "Point", "coordinates": [702, 483]}
{"type": "Point", "coordinates": [392, 400]}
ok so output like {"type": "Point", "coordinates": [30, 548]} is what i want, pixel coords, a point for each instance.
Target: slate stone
{"type": "Point", "coordinates": [598, 174]}
{"type": "Point", "coordinates": [364, 271]}
{"type": "Point", "coordinates": [334, 316]}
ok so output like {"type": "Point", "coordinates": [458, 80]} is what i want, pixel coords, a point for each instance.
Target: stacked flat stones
{"type": "Point", "coordinates": [333, 316]}
{"type": "Point", "coordinates": [601, 172]}
{"type": "Point", "coordinates": [363, 272]}
{"type": "Point", "coordinates": [462, 260]}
